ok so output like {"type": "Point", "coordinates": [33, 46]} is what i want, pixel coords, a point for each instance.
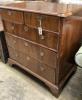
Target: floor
{"type": "Point", "coordinates": [15, 84]}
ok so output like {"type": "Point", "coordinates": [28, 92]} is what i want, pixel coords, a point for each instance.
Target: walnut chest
{"type": "Point", "coordinates": [42, 38]}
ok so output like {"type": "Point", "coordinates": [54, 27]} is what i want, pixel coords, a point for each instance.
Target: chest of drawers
{"type": "Point", "coordinates": [42, 44]}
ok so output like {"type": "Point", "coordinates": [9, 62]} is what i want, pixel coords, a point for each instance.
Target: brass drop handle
{"type": "Point", "coordinates": [16, 55]}
{"type": "Point", "coordinates": [28, 58]}
{"type": "Point", "coordinates": [26, 44]}
{"type": "Point", "coordinates": [14, 42]}
{"type": "Point", "coordinates": [41, 54]}
{"type": "Point", "coordinates": [42, 68]}
{"type": "Point", "coordinates": [9, 13]}
{"type": "Point", "coordinates": [12, 27]}
{"type": "Point", "coordinates": [26, 29]}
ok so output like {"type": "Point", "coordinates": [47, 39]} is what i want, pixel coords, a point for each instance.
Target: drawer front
{"type": "Point", "coordinates": [23, 59]}
{"type": "Point", "coordinates": [47, 38]}
{"type": "Point", "coordinates": [47, 22]}
{"type": "Point", "coordinates": [9, 27]}
{"type": "Point", "coordinates": [14, 16]}
{"type": "Point", "coordinates": [32, 64]}
{"type": "Point", "coordinates": [48, 57]}
{"type": "Point", "coordinates": [45, 56]}
{"type": "Point", "coordinates": [11, 41]}
{"type": "Point", "coordinates": [15, 42]}
{"type": "Point", "coordinates": [13, 28]}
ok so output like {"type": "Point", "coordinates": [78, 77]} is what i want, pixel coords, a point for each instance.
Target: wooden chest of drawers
{"type": "Point", "coordinates": [43, 43]}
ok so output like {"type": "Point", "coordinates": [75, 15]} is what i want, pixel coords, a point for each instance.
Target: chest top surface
{"type": "Point", "coordinates": [57, 9]}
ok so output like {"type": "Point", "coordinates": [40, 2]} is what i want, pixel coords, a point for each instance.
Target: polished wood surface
{"type": "Point", "coordinates": [33, 64]}
{"type": "Point", "coordinates": [31, 34]}
{"type": "Point", "coordinates": [11, 16]}
{"type": "Point", "coordinates": [33, 20]}
{"type": "Point", "coordinates": [43, 42]}
{"type": "Point", "coordinates": [43, 7]}
{"type": "Point", "coordinates": [42, 54]}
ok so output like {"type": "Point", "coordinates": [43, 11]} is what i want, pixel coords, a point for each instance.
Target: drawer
{"type": "Point", "coordinates": [11, 15]}
{"type": "Point", "coordinates": [47, 38]}
{"type": "Point", "coordinates": [13, 28]}
{"type": "Point", "coordinates": [48, 57]}
{"type": "Point", "coordinates": [22, 45]}
{"type": "Point", "coordinates": [44, 55]}
{"type": "Point", "coordinates": [22, 58]}
{"type": "Point", "coordinates": [51, 23]}
{"type": "Point", "coordinates": [32, 64]}
{"type": "Point", "coordinates": [17, 43]}
{"type": "Point", "coordinates": [9, 27]}
{"type": "Point", "coordinates": [11, 41]}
